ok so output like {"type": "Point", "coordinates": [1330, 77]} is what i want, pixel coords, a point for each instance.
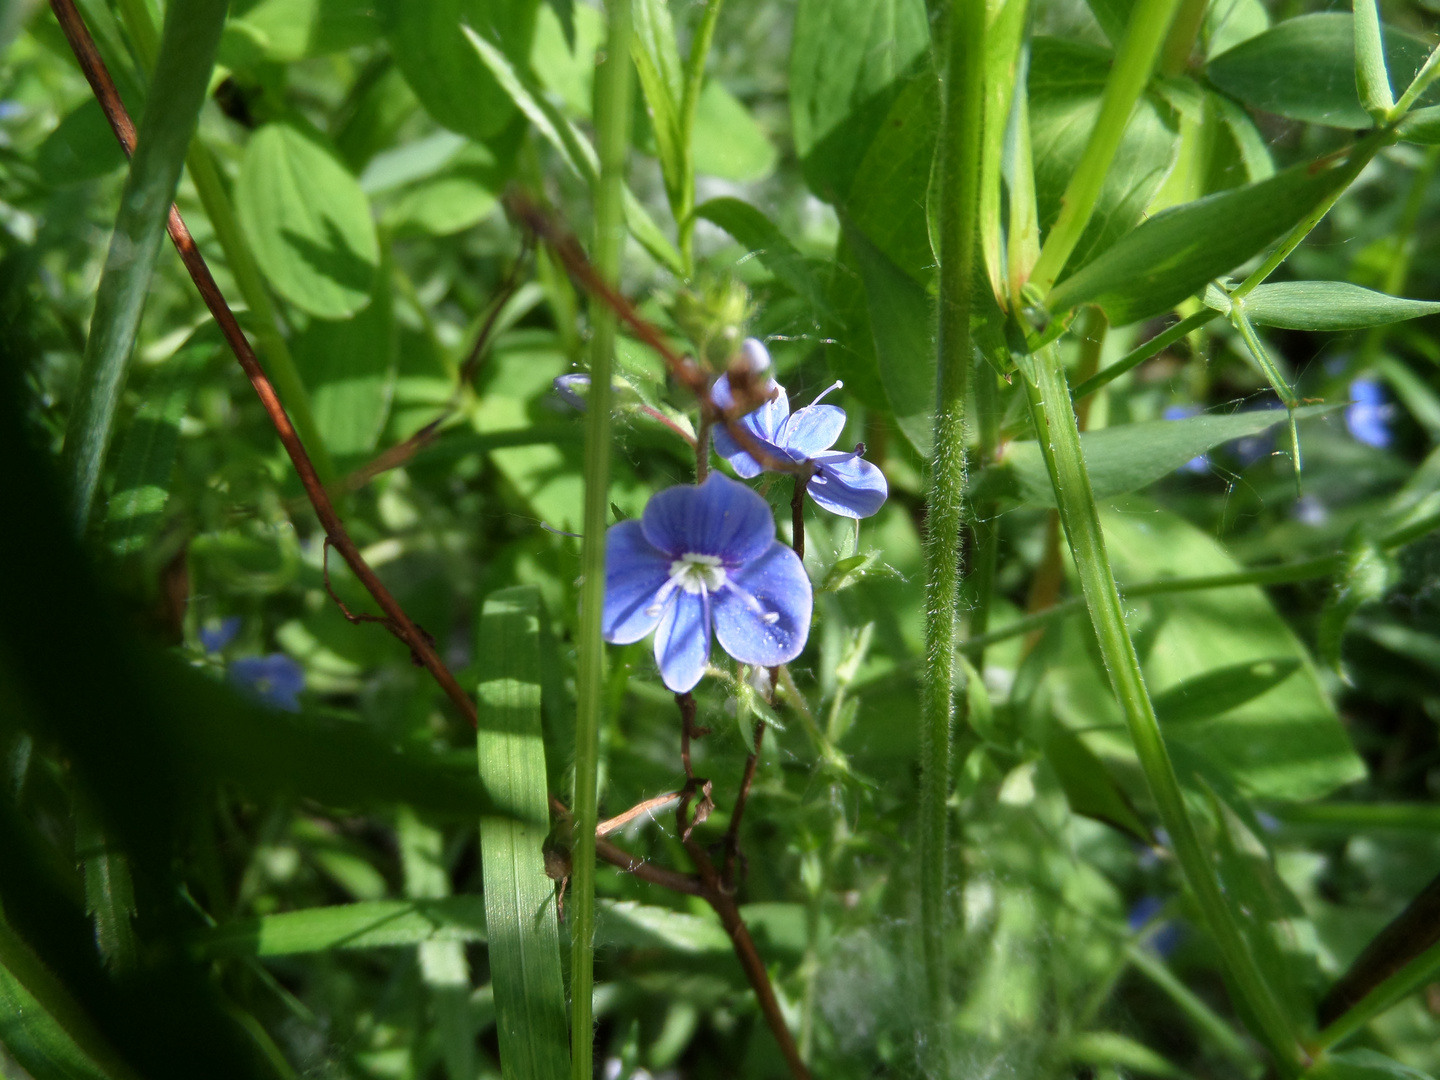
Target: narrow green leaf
{"type": "Point", "coordinates": [455, 87]}
{"type": "Point", "coordinates": [1203, 697]}
{"type": "Point", "coordinates": [1112, 1048]}
{"type": "Point", "coordinates": [307, 220]}
{"type": "Point", "coordinates": [371, 924]}
{"type": "Point", "coordinates": [519, 897]}
{"type": "Point", "coordinates": [1003, 65]}
{"type": "Point", "coordinates": [109, 891]}
{"type": "Point", "coordinates": [1329, 305]}
{"type": "Point", "coordinates": [1128, 457]}
{"type": "Point", "coordinates": [1372, 81]}
{"type": "Point", "coordinates": [1422, 126]}
{"type": "Point", "coordinates": [147, 453]}
{"type": "Point", "coordinates": [1089, 788]}
{"type": "Point", "coordinates": [187, 53]}
{"type": "Point", "coordinates": [1304, 68]}
{"type": "Point", "coordinates": [657, 62]}
{"type": "Point", "coordinates": [1362, 1065]}
{"type": "Point", "coordinates": [1173, 254]}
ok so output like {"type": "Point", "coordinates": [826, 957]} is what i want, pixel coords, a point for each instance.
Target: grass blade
{"type": "Point", "coordinates": [519, 898]}
{"type": "Point", "coordinates": [187, 54]}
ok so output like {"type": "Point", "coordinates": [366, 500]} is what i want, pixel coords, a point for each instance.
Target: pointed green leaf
{"type": "Point", "coordinates": [1361, 1065]}
{"type": "Point", "coordinates": [519, 898]}
{"type": "Point", "coordinates": [307, 220]}
{"type": "Point", "coordinates": [1128, 457]}
{"type": "Point", "coordinates": [758, 233]}
{"type": "Point", "coordinates": [1329, 305]}
{"type": "Point", "coordinates": [1203, 697]}
{"type": "Point", "coordinates": [1304, 69]}
{"type": "Point", "coordinates": [657, 62]}
{"type": "Point", "coordinates": [372, 924]}
{"type": "Point", "coordinates": [1089, 788]}
{"type": "Point", "coordinates": [1422, 126]}
{"type": "Point", "coordinates": [1367, 575]}
{"type": "Point", "coordinates": [1173, 254]}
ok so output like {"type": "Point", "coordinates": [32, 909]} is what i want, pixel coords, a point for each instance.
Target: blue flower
{"type": "Point", "coordinates": [1368, 415]}
{"type": "Point", "coordinates": [215, 638]}
{"type": "Point", "coordinates": [701, 556]}
{"type": "Point", "coordinates": [1200, 463]}
{"type": "Point", "coordinates": [275, 680]}
{"type": "Point", "coordinates": [844, 484]}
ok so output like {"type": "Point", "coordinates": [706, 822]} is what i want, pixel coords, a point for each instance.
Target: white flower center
{"type": "Point", "coordinates": [697, 573]}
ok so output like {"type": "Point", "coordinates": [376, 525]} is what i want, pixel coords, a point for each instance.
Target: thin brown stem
{"type": "Point", "coordinates": [732, 834]}
{"type": "Point", "coordinates": [797, 515]}
{"type": "Point", "coordinates": [395, 619]}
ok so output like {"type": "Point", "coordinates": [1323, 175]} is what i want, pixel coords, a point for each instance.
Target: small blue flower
{"type": "Point", "coordinates": [701, 556]}
{"type": "Point", "coordinates": [1368, 415]}
{"type": "Point", "coordinates": [1200, 463]}
{"type": "Point", "coordinates": [844, 484]}
{"type": "Point", "coordinates": [215, 638]}
{"type": "Point", "coordinates": [1166, 936]}
{"type": "Point", "coordinates": [275, 680]}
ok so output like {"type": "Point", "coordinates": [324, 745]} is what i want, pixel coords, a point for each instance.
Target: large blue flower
{"type": "Point", "coordinates": [701, 556]}
{"type": "Point", "coordinates": [844, 484]}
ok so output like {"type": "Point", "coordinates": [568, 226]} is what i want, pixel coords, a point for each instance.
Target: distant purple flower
{"type": "Point", "coordinates": [701, 556]}
{"type": "Point", "coordinates": [1369, 414]}
{"type": "Point", "coordinates": [844, 484]}
{"type": "Point", "coordinates": [275, 680]}
{"type": "Point", "coordinates": [215, 638]}
{"type": "Point", "coordinates": [1165, 937]}
{"type": "Point", "coordinates": [1200, 463]}
{"type": "Point", "coordinates": [567, 387]}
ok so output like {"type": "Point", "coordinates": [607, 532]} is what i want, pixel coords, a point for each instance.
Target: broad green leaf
{"type": "Point", "coordinates": [1173, 254]}
{"type": "Point", "coordinates": [519, 897]}
{"type": "Point", "coordinates": [758, 233]}
{"type": "Point", "coordinates": [1206, 696]}
{"type": "Point", "coordinates": [564, 67]}
{"type": "Point", "coordinates": [728, 143]}
{"type": "Point", "coordinates": [1329, 305]}
{"type": "Point", "coordinates": [1113, 17]}
{"type": "Point", "coordinates": [1229, 22]}
{"type": "Point", "coordinates": [1304, 69]}
{"type": "Point", "coordinates": [307, 220]}
{"type": "Point", "coordinates": [288, 30]}
{"type": "Point", "coordinates": [1089, 788]}
{"type": "Point", "coordinates": [43, 1027]}
{"type": "Point", "coordinates": [349, 368]}
{"type": "Point", "coordinates": [1067, 80]}
{"type": "Point", "coordinates": [888, 196]}
{"type": "Point", "coordinates": [82, 147]}
{"type": "Point", "coordinates": [147, 453]}
{"type": "Point", "coordinates": [1361, 1065]}
{"type": "Point", "coordinates": [1286, 744]}
{"type": "Point", "coordinates": [177, 89]}
{"type": "Point", "coordinates": [1129, 457]}
{"type": "Point", "coordinates": [372, 924]}
{"type": "Point", "coordinates": [441, 206]}
{"type": "Point", "coordinates": [846, 57]}
{"type": "Point", "coordinates": [902, 322]}
{"type": "Point", "coordinates": [453, 84]}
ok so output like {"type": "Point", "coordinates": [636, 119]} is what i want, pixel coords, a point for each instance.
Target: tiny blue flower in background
{"type": "Point", "coordinates": [1166, 936]}
{"type": "Point", "coordinates": [566, 386]}
{"type": "Point", "coordinates": [1368, 415]}
{"type": "Point", "coordinates": [1200, 463]}
{"type": "Point", "coordinates": [215, 638]}
{"type": "Point", "coordinates": [701, 556]}
{"type": "Point", "coordinates": [1251, 448]}
{"type": "Point", "coordinates": [275, 680]}
{"type": "Point", "coordinates": [844, 484]}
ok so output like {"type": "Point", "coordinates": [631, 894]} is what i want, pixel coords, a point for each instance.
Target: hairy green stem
{"type": "Point", "coordinates": [612, 126]}
{"type": "Point", "coordinates": [1056, 430]}
{"type": "Point", "coordinates": [960, 163]}
{"type": "Point", "coordinates": [274, 351]}
{"type": "Point", "coordinates": [984, 518]}
{"type": "Point", "coordinates": [1149, 23]}
{"type": "Point", "coordinates": [689, 103]}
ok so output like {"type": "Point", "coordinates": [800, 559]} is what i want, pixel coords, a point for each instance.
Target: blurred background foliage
{"type": "Point", "coordinates": [196, 741]}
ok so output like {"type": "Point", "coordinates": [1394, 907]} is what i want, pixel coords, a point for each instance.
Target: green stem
{"type": "Point", "coordinates": [1180, 42]}
{"type": "Point", "coordinates": [1418, 85]}
{"type": "Point", "coordinates": [689, 103]}
{"type": "Point", "coordinates": [1392, 991]}
{"type": "Point", "coordinates": [612, 129]}
{"type": "Point", "coordinates": [1056, 427]}
{"type": "Point", "coordinates": [1149, 23]}
{"type": "Point", "coordinates": [279, 364]}
{"type": "Point", "coordinates": [1133, 359]}
{"type": "Point", "coordinates": [1204, 1017]}
{"type": "Point", "coordinates": [960, 163]}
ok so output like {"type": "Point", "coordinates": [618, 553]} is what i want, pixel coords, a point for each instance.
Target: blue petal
{"type": "Point", "coordinates": [848, 485]}
{"type": "Point", "coordinates": [682, 640]}
{"type": "Point", "coordinates": [720, 517]}
{"type": "Point", "coordinates": [739, 459]}
{"type": "Point", "coordinates": [765, 421]}
{"type": "Point", "coordinates": [779, 586]}
{"type": "Point", "coordinates": [812, 430]}
{"type": "Point", "coordinates": [634, 573]}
